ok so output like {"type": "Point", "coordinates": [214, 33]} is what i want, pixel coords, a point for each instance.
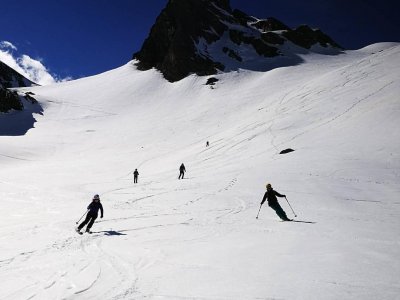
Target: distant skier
{"type": "Point", "coordinates": [182, 171]}
{"type": "Point", "coordinates": [91, 216]}
{"type": "Point", "coordinates": [135, 176]}
{"type": "Point", "coordinates": [207, 144]}
{"type": "Point", "coordinates": [270, 195]}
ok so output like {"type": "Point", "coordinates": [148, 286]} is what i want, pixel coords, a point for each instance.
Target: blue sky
{"type": "Point", "coordinates": [76, 38]}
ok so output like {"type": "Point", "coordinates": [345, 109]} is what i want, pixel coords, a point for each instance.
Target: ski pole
{"type": "Point", "coordinates": [258, 211]}
{"type": "Point", "coordinates": [291, 207]}
{"type": "Point", "coordinates": [82, 216]}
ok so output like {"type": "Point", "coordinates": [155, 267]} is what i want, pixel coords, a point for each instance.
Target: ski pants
{"type": "Point", "coordinates": [135, 179]}
{"type": "Point", "coordinates": [279, 211]}
{"type": "Point", "coordinates": [181, 174]}
{"type": "Point", "coordinates": [89, 220]}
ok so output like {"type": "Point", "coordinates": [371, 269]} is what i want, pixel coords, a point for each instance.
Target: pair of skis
{"type": "Point", "coordinates": [289, 206]}
{"type": "Point", "coordinates": [77, 230]}
{"type": "Point", "coordinates": [80, 232]}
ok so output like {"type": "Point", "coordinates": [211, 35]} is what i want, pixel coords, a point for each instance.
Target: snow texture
{"type": "Point", "coordinates": [198, 238]}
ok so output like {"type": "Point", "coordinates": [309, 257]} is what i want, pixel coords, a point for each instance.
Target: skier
{"type": "Point", "coordinates": [182, 171]}
{"type": "Point", "coordinates": [207, 144]}
{"type": "Point", "coordinates": [135, 176]}
{"type": "Point", "coordinates": [270, 195]}
{"type": "Point", "coordinates": [91, 216]}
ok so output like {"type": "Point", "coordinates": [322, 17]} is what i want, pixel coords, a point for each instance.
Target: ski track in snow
{"type": "Point", "coordinates": [198, 238]}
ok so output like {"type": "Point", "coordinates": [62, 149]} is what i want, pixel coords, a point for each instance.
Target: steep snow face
{"type": "Point", "coordinates": [198, 238]}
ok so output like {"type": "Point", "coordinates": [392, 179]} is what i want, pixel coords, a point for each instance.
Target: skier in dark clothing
{"type": "Point", "coordinates": [182, 171]}
{"type": "Point", "coordinates": [91, 215]}
{"type": "Point", "coordinates": [270, 195]}
{"type": "Point", "coordinates": [135, 176]}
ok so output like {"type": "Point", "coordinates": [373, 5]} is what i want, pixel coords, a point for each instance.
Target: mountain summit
{"type": "Point", "coordinates": [207, 36]}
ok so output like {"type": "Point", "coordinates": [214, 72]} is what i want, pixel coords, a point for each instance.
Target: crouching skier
{"type": "Point", "coordinates": [91, 215]}
{"type": "Point", "coordinates": [270, 195]}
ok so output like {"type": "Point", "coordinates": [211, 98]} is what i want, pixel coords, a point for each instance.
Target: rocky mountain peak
{"type": "Point", "coordinates": [206, 36]}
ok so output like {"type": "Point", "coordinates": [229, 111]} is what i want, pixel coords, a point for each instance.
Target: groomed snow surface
{"type": "Point", "coordinates": [198, 238]}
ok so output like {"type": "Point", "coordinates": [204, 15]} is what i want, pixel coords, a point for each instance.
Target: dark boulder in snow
{"type": "Point", "coordinates": [288, 150]}
{"type": "Point", "coordinates": [211, 81]}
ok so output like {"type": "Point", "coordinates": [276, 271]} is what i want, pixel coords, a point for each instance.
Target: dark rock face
{"type": "Point", "coordinates": [272, 38]}
{"type": "Point", "coordinates": [242, 18]}
{"type": "Point", "coordinates": [231, 53]}
{"type": "Point", "coordinates": [270, 24]}
{"type": "Point", "coordinates": [239, 37]}
{"type": "Point", "coordinates": [202, 36]}
{"type": "Point", "coordinates": [171, 46]}
{"type": "Point", "coordinates": [9, 100]}
{"type": "Point", "coordinates": [305, 37]}
{"type": "Point", "coordinates": [9, 78]}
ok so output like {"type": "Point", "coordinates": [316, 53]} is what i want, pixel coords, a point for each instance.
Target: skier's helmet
{"type": "Point", "coordinates": [269, 186]}
{"type": "Point", "coordinates": [96, 197]}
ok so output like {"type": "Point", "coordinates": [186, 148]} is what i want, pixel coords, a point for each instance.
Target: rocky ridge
{"type": "Point", "coordinates": [9, 78]}
{"type": "Point", "coordinates": [206, 36]}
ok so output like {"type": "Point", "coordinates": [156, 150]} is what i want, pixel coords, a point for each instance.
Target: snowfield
{"type": "Point", "coordinates": [198, 238]}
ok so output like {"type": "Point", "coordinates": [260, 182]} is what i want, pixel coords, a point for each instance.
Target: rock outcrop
{"type": "Point", "coordinates": [9, 78]}
{"type": "Point", "coordinates": [203, 36]}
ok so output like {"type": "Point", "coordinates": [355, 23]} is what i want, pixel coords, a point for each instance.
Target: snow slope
{"type": "Point", "coordinates": [198, 238]}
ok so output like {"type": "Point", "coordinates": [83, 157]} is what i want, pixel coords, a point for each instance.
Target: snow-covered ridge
{"type": "Point", "coordinates": [198, 238]}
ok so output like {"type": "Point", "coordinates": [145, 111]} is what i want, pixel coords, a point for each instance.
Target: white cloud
{"type": "Point", "coordinates": [33, 69]}
{"type": "Point", "coordinates": [7, 45]}
{"type": "Point", "coordinates": [36, 71]}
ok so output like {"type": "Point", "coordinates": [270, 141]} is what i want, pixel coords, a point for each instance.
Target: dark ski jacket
{"type": "Point", "coordinates": [182, 168]}
{"type": "Point", "coordinates": [94, 208]}
{"type": "Point", "coordinates": [270, 195]}
{"type": "Point", "coordinates": [136, 173]}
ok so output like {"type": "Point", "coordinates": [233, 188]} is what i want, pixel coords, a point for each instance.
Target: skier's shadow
{"type": "Point", "coordinates": [111, 232]}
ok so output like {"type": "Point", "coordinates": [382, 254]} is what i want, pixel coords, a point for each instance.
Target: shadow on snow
{"type": "Point", "coordinates": [16, 123]}
{"type": "Point", "coordinates": [110, 232]}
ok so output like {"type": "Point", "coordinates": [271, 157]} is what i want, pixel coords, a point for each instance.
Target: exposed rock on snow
{"type": "Point", "coordinates": [286, 151]}
{"type": "Point", "coordinates": [211, 81]}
